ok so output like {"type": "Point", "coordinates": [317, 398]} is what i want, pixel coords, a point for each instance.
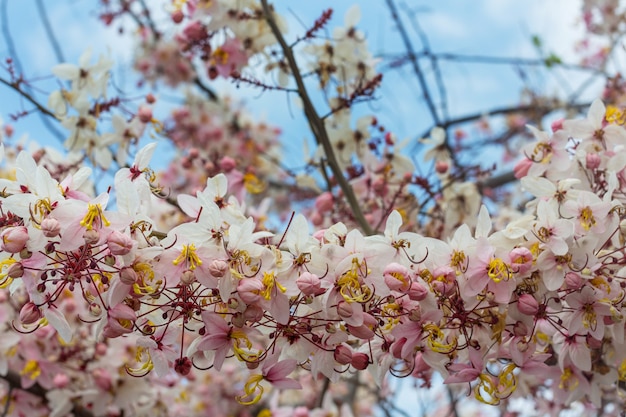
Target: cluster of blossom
{"type": "Point", "coordinates": [605, 22]}
{"type": "Point", "coordinates": [531, 308]}
{"type": "Point", "coordinates": [79, 108]}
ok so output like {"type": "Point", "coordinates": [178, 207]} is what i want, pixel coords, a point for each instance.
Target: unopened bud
{"type": "Point", "coordinates": [119, 243]}
{"type": "Point", "coordinates": [528, 305]}
{"type": "Point", "coordinates": [188, 277]}
{"type": "Point", "coordinates": [218, 268]}
{"type": "Point", "coordinates": [343, 355]}
{"type": "Point", "coordinates": [309, 283]}
{"type": "Point", "coordinates": [344, 309]}
{"type": "Point", "coordinates": [417, 292]}
{"type": "Point", "coordinates": [30, 313]}
{"type": "Point", "coordinates": [13, 239]}
{"type": "Point", "coordinates": [253, 313]}
{"type": "Point", "coordinates": [360, 361]}
{"type": "Point", "coordinates": [91, 236]}
{"type": "Point", "coordinates": [144, 114]}
{"type": "Point", "coordinates": [128, 276]}
{"type": "Point", "coordinates": [324, 202]}
{"type": "Point", "coordinates": [592, 160]}
{"type": "Point", "coordinates": [50, 227]}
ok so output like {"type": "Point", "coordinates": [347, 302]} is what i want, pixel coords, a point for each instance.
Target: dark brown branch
{"type": "Point", "coordinates": [16, 86]}
{"type": "Point", "coordinates": [317, 124]}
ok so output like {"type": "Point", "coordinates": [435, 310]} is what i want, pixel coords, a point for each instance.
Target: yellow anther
{"type": "Point", "coordinates": [31, 369]}
{"type": "Point", "coordinates": [587, 221]}
{"type": "Point", "coordinates": [142, 357]}
{"type": "Point", "coordinates": [269, 281]}
{"type": "Point", "coordinates": [253, 184]}
{"type": "Point", "coordinates": [568, 380]}
{"type": "Point", "coordinates": [252, 387]}
{"type": "Point", "coordinates": [5, 280]}
{"type": "Point", "coordinates": [498, 270]}
{"type": "Point", "coordinates": [350, 287]}
{"type": "Point", "coordinates": [188, 254]}
{"type": "Point", "coordinates": [94, 214]}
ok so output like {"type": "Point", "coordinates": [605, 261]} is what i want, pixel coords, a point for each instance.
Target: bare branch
{"type": "Point", "coordinates": [317, 124]}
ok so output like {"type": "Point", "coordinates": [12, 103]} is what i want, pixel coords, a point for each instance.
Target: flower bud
{"type": "Point", "coordinates": [30, 313]}
{"type": "Point", "coordinates": [397, 277]}
{"type": "Point", "coordinates": [360, 361]}
{"type": "Point", "coordinates": [521, 169]}
{"type": "Point", "coordinates": [183, 366]}
{"type": "Point", "coordinates": [188, 277]}
{"type": "Point", "coordinates": [227, 164]}
{"type": "Point", "coordinates": [441, 167]}
{"type": "Point", "coordinates": [557, 125]}
{"type": "Point", "coordinates": [417, 291]}
{"type": "Point", "coordinates": [102, 378]}
{"type": "Point", "coordinates": [573, 280]}
{"type": "Point", "coordinates": [119, 243]}
{"type": "Point", "coordinates": [61, 381]}
{"type": "Point", "coordinates": [249, 289]}
{"type": "Point", "coordinates": [14, 239]}
{"type": "Point", "coordinates": [128, 276]}
{"type": "Point", "coordinates": [343, 354]}
{"type": "Point", "coordinates": [527, 305]}
{"type": "Point", "coordinates": [344, 309]}
{"type": "Point", "coordinates": [144, 114]}
{"type": "Point", "coordinates": [324, 202]}
{"type": "Point", "coordinates": [50, 227]}
{"type": "Point", "coordinates": [16, 270]}
{"type": "Point", "coordinates": [253, 313]}
{"type": "Point", "coordinates": [91, 236]}
{"type": "Point", "coordinates": [592, 160]}
{"type": "Point", "coordinates": [218, 268]}
{"type": "Point", "coordinates": [309, 284]}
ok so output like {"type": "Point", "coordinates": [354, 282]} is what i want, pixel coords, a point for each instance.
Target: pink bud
{"type": "Point", "coordinates": [16, 270]}
{"type": "Point", "coordinates": [50, 227]}
{"type": "Point", "coordinates": [309, 284]}
{"type": "Point", "coordinates": [91, 236]}
{"type": "Point", "coordinates": [316, 219]}
{"type": "Point", "coordinates": [14, 239]}
{"type": "Point", "coordinates": [102, 378]}
{"type": "Point", "coordinates": [528, 305]}
{"type": "Point", "coordinates": [253, 313]}
{"type": "Point", "coordinates": [417, 291]}
{"type": "Point", "coordinates": [30, 313]}
{"type": "Point", "coordinates": [150, 99]}
{"type": "Point", "coordinates": [441, 167]}
{"type": "Point", "coordinates": [397, 277]}
{"type": "Point", "coordinates": [188, 277]}
{"type": "Point", "coordinates": [218, 268]}
{"type": "Point", "coordinates": [61, 381]}
{"type": "Point", "coordinates": [557, 125]}
{"type": "Point", "coordinates": [343, 354]}
{"type": "Point", "coordinates": [177, 16]}
{"type": "Point", "coordinates": [195, 31]}
{"type": "Point", "coordinates": [592, 161]}
{"type": "Point", "coordinates": [144, 114]}
{"type": "Point", "coordinates": [324, 202]}
{"type": "Point", "coordinates": [573, 280]}
{"type": "Point", "coordinates": [249, 290]}
{"type": "Point", "coordinates": [227, 164]}
{"type": "Point", "coordinates": [360, 361]}
{"type": "Point", "coordinates": [521, 260]}
{"type": "Point", "coordinates": [119, 243]}
{"type": "Point", "coordinates": [344, 309]}
{"type": "Point", "coordinates": [365, 331]}
{"type": "Point", "coordinates": [521, 169]}
{"type": "Point", "coordinates": [128, 276]}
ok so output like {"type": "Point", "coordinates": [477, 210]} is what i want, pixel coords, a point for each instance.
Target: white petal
{"type": "Point", "coordinates": [59, 322]}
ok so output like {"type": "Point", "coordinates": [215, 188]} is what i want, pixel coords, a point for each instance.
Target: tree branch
{"type": "Point", "coordinates": [317, 124]}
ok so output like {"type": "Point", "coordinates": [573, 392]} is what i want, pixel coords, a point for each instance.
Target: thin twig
{"type": "Point", "coordinates": [51, 37]}
{"type": "Point", "coordinates": [15, 86]}
{"type": "Point", "coordinates": [317, 124]}
{"type": "Point", "coordinates": [414, 62]}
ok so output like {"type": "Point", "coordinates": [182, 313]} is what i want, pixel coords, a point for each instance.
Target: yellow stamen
{"type": "Point", "coordinates": [269, 280]}
{"type": "Point", "coordinates": [94, 214]}
{"type": "Point", "coordinates": [188, 254]}
{"type": "Point", "coordinates": [31, 369]}
{"type": "Point", "coordinates": [5, 280]}
{"type": "Point", "coordinates": [498, 270]}
{"type": "Point", "coordinates": [587, 220]}
{"type": "Point", "coordinates": [252, 386]}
